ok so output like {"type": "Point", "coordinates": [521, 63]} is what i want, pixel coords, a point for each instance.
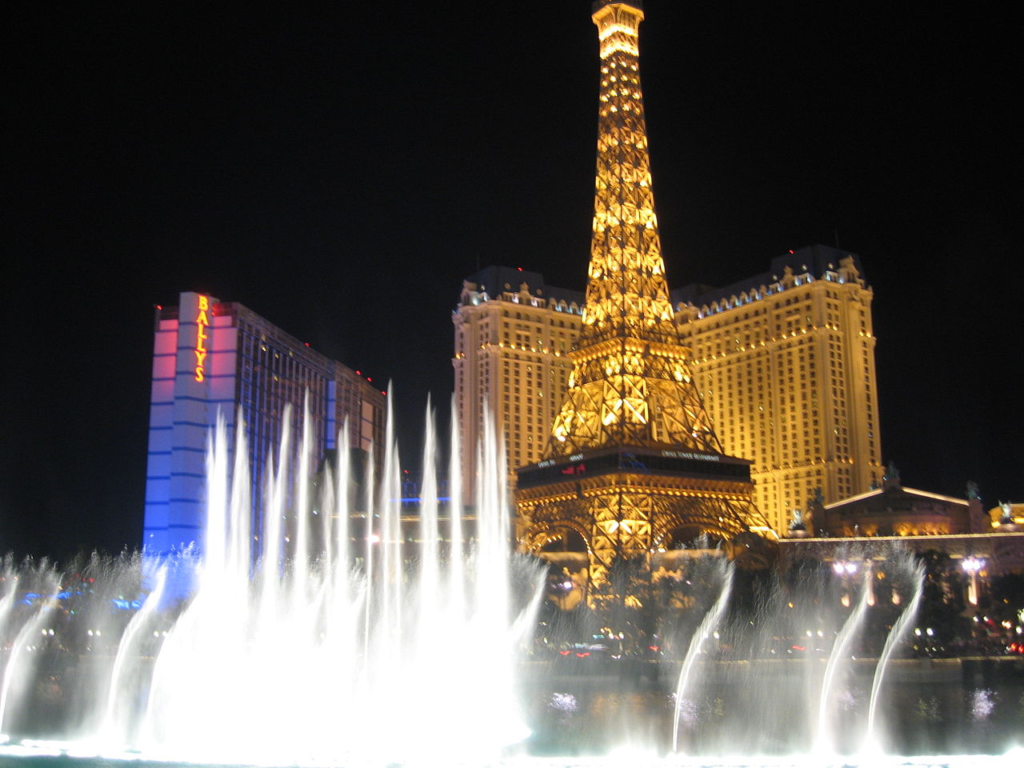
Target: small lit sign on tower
{"type": "Point", "coordinates": [202, 324]}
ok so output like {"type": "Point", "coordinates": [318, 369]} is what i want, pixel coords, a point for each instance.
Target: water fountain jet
{"type": "Point", "coordinates": [267, 658]}
{"type": "Point", "coordinates": [418, 645]}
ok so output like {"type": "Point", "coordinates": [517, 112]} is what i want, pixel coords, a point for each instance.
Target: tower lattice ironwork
{"type": "Point", "coordinates": [630, 382]}
{"type": "Point", "coordinates": [633, 457]}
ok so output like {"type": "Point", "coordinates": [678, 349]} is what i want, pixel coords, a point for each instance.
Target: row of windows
{"type": "Point", "coordinates": [803, 423]}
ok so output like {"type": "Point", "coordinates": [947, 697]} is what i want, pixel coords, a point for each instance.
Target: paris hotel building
{"type": "Point", "coordinates": [784, 360]}
{"type": "Point", "coordinates": [214, 359]}
{"type": "Point", "coordinates": [512, 336]}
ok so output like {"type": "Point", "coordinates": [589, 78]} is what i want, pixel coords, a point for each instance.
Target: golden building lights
{"type": "Point", "coordinates": [612, 476]}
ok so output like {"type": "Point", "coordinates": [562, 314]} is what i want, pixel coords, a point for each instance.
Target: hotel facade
{"type": "Point", "coordinates": [784, 362]}
{"type": "Point", "coordinates": [214, 359]}
{"type": "Point", "coordinates": [512, 336]}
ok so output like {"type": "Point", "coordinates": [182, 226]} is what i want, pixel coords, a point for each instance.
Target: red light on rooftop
{"type": "Point", "coordinates": [306, 343]}
{"type": "Point", "coordinates": [359, 373]}
{"type": "Point", "coordinates": [790, 250]}
{"type": "Point", "coordinates": [159, 306]}
{"type": "Point", "coordinates": [368, 378]}
{"type": "Point", "coordinates": [520, 269]}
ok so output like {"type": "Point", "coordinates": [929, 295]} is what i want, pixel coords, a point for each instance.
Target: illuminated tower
{"type": "Point", "coordinates": [633, 465]}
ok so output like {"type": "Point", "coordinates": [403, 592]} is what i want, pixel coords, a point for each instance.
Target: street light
{"type": "Point", "coordinates": [972, 565]}
{"type": "Point", "coordinates": [845, 569]}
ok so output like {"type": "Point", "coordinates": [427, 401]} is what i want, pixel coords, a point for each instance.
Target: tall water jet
{"type": "Point", "coordinates": [824, 735]}
{"type": "Point", "coordinates": [414, 652]}
{"type": "Point", "coordinates": [333, 612]}
{"type": "Point", "coordinates": [42, 584]}
{"type": "Point", "coordinates": [915, 571]}
{"type": "Point", "coordinates": [127, 651]}
{"type": "Point", "coordinates": [286, 658]}
{"type": "Point", "coordinates": [707, 626]}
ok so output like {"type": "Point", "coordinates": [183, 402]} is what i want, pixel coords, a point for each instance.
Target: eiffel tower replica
{"type": "Point", "coordinates": [633, 465]}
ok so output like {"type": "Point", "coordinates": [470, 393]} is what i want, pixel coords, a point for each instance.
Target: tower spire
{"type": "Point", "coordinates": [633, 468]}
{"type": "Point", "coordinates": [630, 382]}
{"type": "Point", "coordinates": [626, 293]}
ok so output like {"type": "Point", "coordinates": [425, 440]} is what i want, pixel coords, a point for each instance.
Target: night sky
{"type": "Point", "coordinates": [340, 171]}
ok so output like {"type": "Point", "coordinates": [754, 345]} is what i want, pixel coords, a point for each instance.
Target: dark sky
{"type": "Point", "coordinates": [340, 171]}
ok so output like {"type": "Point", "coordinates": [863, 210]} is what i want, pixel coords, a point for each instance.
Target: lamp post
{"type": "Point", "coordinates": [845, 569]}
{"type": "Point", "coordinates": [972, 565]}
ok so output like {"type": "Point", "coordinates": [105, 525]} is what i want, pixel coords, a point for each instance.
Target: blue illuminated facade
{"type": "Point", "coordinates": [218, 359]}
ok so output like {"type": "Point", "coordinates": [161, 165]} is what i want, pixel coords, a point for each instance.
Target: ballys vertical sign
{"type": "Point", "coordinates": [202, 325]}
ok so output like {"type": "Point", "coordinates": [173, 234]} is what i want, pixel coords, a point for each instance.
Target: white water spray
{"type": "Point", "coordinates": [707, 626]}
{"type": "Point", "coordinates": [824, 737]}
{"type": "Point", "coordinates": [896, 635]}
{"type": "Point", "coordinates": [313, 636]}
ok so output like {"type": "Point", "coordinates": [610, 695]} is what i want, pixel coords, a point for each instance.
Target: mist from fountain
{"type": "Point", "coordinates": [328, 639]}
{"type": "Point", "coordinates": [790, 674]}
{"type": "Point", "coordinates": [724, 572]}
{"type": "Point", "coordinates": [18, 671]}
{"type": "Point", "coordinates": [840, 654]}
{"type": "Point", "coordinates": [328, 654]}
{"type": "Point", "coordinates": [128, 651]}
{"type": "Point", "coordinates": [913, 571]}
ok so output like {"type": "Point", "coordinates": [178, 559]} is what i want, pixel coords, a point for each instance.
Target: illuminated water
{"type": "Point", "coordinates": [693, 652]}
{"type": "Point", "coordinates": [373, 650]}
{"type": "Point", "coordinates": [351, 645]}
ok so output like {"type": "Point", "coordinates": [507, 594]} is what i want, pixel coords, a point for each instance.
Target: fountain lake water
{"type": "Point", "coordinates": [369, 653]}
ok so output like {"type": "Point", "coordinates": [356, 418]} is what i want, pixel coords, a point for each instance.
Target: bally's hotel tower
{"type": "Point", "coordinates": [214, 359]}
